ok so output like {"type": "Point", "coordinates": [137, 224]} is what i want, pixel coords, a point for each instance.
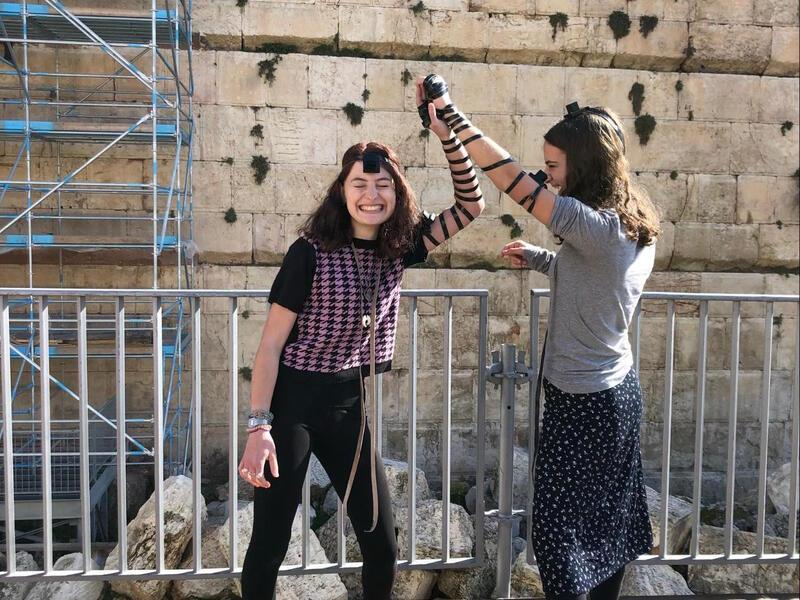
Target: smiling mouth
{"type": "Point", "coordinates": [371, 208]}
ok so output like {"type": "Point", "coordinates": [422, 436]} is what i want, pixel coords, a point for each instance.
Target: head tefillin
{"type": "Point", "coordinates": [573, 110]}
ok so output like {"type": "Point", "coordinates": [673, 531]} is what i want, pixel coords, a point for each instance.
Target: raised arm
{"type": "Point", "coordinates": [497, 163]}
{"type": "Point", "coordinates": [469, 201]}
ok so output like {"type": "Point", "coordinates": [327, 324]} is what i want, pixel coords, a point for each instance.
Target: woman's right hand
{"type": "Point", "coordinates": [259, 450]}
{"type": "Point", "coordinates": [520, 253]}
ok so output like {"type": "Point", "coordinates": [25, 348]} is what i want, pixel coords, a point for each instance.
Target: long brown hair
{"type": "Point", "coordinates": [330, 224]}
{"type": "Point", "coordinates": [597, 171]}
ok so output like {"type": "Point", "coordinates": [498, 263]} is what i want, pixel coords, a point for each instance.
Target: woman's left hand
{"type": "Point", "coordinates": [437, 126]}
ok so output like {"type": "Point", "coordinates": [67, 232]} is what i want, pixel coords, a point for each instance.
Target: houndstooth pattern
{"type": "Point", "coordinates": [330, 335]}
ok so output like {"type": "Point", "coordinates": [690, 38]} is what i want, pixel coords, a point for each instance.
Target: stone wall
{"type": "Point", "coordinates": [720, 79]}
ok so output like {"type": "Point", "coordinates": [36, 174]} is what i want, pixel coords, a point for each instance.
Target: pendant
{"type": "Point", "coordinates": [365, 321]}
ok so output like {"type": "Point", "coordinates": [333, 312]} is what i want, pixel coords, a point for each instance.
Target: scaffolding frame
{"type": "Point", "coordinates": [78, 117]}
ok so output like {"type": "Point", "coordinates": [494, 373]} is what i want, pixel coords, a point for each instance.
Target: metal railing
{"type": "Point", "coordinates": [508, 369]}
{"type": "Point", "coordinates": [196, 299]}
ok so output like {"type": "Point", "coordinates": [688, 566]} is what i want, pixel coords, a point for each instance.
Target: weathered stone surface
{"type": "Point", "coordinates": [783, 58]}
{"type": "Point", "coordinates": [611, 88]}
{"type": "Point", "coordinates": [334, 82]}
{"type": "Point", "coordinates": [727, 48]}
{"type": "Point", "coordinates": [220, 242]}
{"type": "Point", "coordinates": [712, 247]}
{"type": "Point", "coordinates": [741, 579]}
{"type": "Point", "coordinates": [392, 30]}
{"type": "Point", "coordinates": [714, 197]}
{"type": "Point", "coordinates": [305, 26]}
{"type": "Point", "coordinates": [647, 580]}
{"type": "Point", "coordinates": [706, 97]}
{"type": "Point", "coordinates": [679, 518]}
{"type": "Point", "coordinates": [178, 514]}
{"type": "Point", "coordinates": [663, 49]}
{"type": "Point", "coordinates": [464, 34]}
{"type": "Point", "coordinates": [682, 146]}
{"type": "Point", "coordinates": [778, 488]}
{"type": "Point", "coordinates": [778, 245]}
{"type": "Point", "coordinates": [525, 579]}
{"type": "Point", "coordinates": [68, 590]}
{"type": "Point", "coordinates": [779, 154]}
{"type": "Point", "coordinates": [17, 591]}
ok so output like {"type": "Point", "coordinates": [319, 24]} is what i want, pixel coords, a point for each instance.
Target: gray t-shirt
{"type": "Point", "coordinates": [596, 279]}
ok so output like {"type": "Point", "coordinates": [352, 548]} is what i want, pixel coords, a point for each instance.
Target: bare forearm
{"type": "Point", "coordinates": [265, 373]}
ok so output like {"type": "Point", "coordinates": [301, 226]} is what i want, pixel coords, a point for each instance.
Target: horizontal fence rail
{"type": "Point", "coordinates": [702, 301]}
{"type": "Point", "coordinates": [80, 300]}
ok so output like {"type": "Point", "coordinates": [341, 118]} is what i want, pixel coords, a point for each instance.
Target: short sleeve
{"type": "Point", "coordinates": [292, 285]}
{"type": "Point", "coordinates": [418, 253]}
{"type": "Point", "coordinates": [581, 225]}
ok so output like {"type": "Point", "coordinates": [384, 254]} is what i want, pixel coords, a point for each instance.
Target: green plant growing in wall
{"type": "Point", "coordinates": [620, 24]}
{"type": "Point", "coordinates": [230, 215]}
{"type": "Point", "coordinates": [278, 48]}
{"type": "Point", "coordinates": [241, 3]}
{"type": "Point", "coordinates": [510, 221]}
{"type": "Point", "coordinates": [418, 8]}
{"type": "Point", "coordinates": [354, 112]}
{"type": "Point", "coordinates": [245, 314]}
{"type": "Point", "coordinates": [257, 131]}
{"type": "Point", "coordinates": [228, 160]}
{"type": "Point", "coordinates": [558, 21]}
{"type": "Point", "coordinates": [636, 96]}
{"type": "Point", "coordinates": [647, 23]}
{"type": "Point", "coordinates": [644, 126]}
{"type": "Point", "coordinates": [425, 134]}
{"type": "Point", "coordinates": [786, 126]}
{"type": "Point", "coordinates": [678, 85]}
{"type": "Point", "coordinates": [260, 166]}
{"type": "Point", "coordinates": [365, 95]}
{"type": "Point", "coordinates": [690, 49]}
{"type": "Point", "coordinates": [690, 115]}
{"type": "Point", "coordinates": [267, 68]}
{"type": "Point", "coordinates": [673, 175]}
{"type": "Point", "coordinates": [406, 77]}
{"type": "Point", "coordinates": [246, 373]}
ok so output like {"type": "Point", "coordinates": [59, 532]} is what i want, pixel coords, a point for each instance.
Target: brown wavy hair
{"type": "Point", "coordinates": [330, 224]}
{"type": "Point", "coordinates": [597, 172]}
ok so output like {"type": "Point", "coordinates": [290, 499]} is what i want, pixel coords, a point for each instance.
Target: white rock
{"type": "Point", "coordinates": [525, 579]}
{"type": "Point", "coordinates": [778, 484]}
{"type": "Point", "coordinates": [68, 590]}
{"type": "Point", "coordinates": [17, 591]}
{"type": "Point", "coordinates": [654, 580]}
{"type": "Point", "coordinates": [178, 513]}
{"type": "Point", "coordinates": [679, 518]}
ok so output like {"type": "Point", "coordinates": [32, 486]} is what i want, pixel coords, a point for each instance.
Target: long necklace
{"type": "Point", "coordinates": [365, 291]}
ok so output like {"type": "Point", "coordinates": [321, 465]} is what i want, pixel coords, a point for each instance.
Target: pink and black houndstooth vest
{"type": "Point", "coordinates": [330, 334]}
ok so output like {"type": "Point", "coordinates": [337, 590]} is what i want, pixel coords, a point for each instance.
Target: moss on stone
{"type": "Point", "coordinates": [354, 112]}
{"type": "Point", "coordinates": [647, 23]}
{"type": "Point", "coordinates": [620, 24]}
{"type": "Point", "coordinates": [636, 96]}
{"type": "Point", "coordinates": [260, 166]}
{"type": "Point", "coordinates": [644, 126]}
{"type": "Point", "coordinates": [558, 21]}
{"type": "Point", "coordinates": [230, 215]}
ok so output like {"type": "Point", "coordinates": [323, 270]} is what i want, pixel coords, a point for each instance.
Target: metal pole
{"type": "Point", "coordinates": [506, 473]}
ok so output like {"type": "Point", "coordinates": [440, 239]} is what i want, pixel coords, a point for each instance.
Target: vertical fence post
{"type": "Point", "coordinates": [507, 371]}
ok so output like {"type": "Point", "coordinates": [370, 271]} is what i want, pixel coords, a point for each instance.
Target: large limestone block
{"type": "Point", "coordinates": [611, 87]}
{"type": "Point", "coordinates": [679, 519]}
{"type": "Point", "coordinates": [724, 11]}
{"type": "Point", "coordinates": [300, 189]}
{"type": "Point", "coordinates": [269, 239]}
{"type": "Point", "coordinates": [334, 81]}
{"type": "Point", "coordinates": [397, 480]}
{"type": "Point", "coordinates": [712, 247]}
{"type": "Point", "coordinates": [742, 579]}
{"type": "Point", "coordinates": [662, 49]}
{"type": "Point", "coordinates": [778, 100]}
{"type": "Point", "coordinates": [178, 514]}
{"type": "Point", "coordinates": [303, 25]}
{"type": "Point", "coordinates": [238, 81]}
{"type": "Point", "coordinates": [778, 246]}
{"type": "Point", "coordinates": [300, 136]}
{"type": "Point", "coordinates": [776, 12]}
{"type": "Point", "coordinates": [386, 84]}
{"type": "Point", "coordinates": [681, 145]}
{"type": "Point", "coordinates": [484, 88]}
{"type": "Point", "coordinates": [221, 130]}
{"type": "Point", "coordinates": [399, 130]}
{"type": "Point", "coordinates": [783, 57]}
{"type": "Point", "coordinates": [714, 196]}
{"type": "Point", "coordinates": [384, 30]}
{"type": "Point", "coordinates": [779, 153]}
{"type": "Point", "coordinates": [291, 83]}
{"type": "Point", "coordinates": [669, 195]}
{"type": "Point", "coordinates": [766, 199]}
{"type": "Point", "coordinates": [528, 40]}
{"type": "Point", "coordinates": [221, 242]}
{"type": "Point", "coordinates": [728, 48]}
{"type": "Point", "coordinates": [531, 80]}
{"type": "Point", "coordinates": [218, 25]}
{"type": "Point", "coordinates": [654, 580]}
{"type": "Point", "coordinates": [706, 97]}
{"type": "Point", "coordinates": [68, 590]}
{"type": "Point", "coordinates": [778, 487]}
{"type": "Point", "coordinates": [464, 34]}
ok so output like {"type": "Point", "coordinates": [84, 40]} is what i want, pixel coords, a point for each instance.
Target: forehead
{"type": "Point", "coordinates": [358, 171]}
{"type": "Point", "coordinates": [552, 153]}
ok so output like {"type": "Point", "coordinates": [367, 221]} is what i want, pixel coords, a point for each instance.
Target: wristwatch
{"type": "Point", "coordinates": [259, 417]}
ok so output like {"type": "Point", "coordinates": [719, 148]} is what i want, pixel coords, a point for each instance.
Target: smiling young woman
{"type": "Point", "coordinates": [332, 321]}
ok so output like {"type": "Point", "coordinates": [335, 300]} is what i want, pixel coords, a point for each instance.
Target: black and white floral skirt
{"type": "Point", "coordinates": [590, 513]}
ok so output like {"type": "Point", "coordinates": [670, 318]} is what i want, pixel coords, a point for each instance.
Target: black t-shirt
{"type": "Point", "coordinates": [292, 285]}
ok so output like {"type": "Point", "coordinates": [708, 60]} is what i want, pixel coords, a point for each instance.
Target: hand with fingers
{"type": "Point", "coordinates": [523, 254]}
{"type": "Point", "coordinates": [437, 124]}
{"type": "Point", "coordinates": [259, 451]}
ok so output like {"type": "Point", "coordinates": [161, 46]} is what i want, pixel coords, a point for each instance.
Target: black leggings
{"type": "Point", "coordinates": [608, 590]}
{"type": "Point", "coordinates": [323, 418]}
